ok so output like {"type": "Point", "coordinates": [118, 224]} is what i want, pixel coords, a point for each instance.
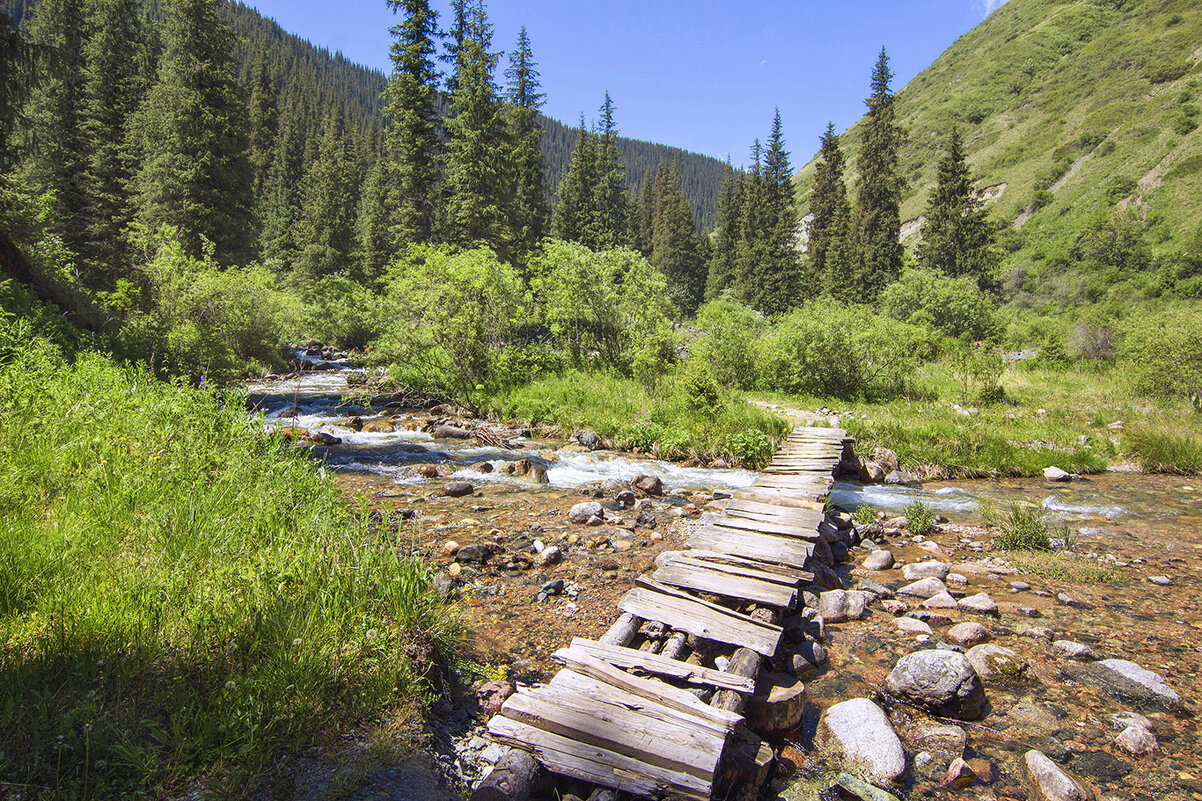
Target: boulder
{"type": "Point", "coordinates": [1050, 782]}
{"type": "Point", "coordinates": [822, 553]}
{"type": "Point", "coordinates": [847, 785]}
{"type": "Point", "coordinates": [910, 625]}
{"type": "Point", "coordinates": [450, 432]}
{"type": "Point", "coordinates": [921, 570]}
{"type": "Point", "coordinates": [995, 663]}
{"type": "Point", "coordinates": [874, 588]}
{"type": "Point", "coordinates": [551, 556]}
{"type": "Point", "coordinates": [902, 478]}
{"type": "Point", "coordinates": [650, 485]}
{"type": "Point", "coordinates": [1136, 740]}
{"type": "Point", "coordinates": [942, 738]}
{"type": "Point", "coordinates": [878, 560]}
{"type": "Point", "coordinates": [980, 603]}
{"type": "Point", "coordinates": [479, 554]}
{"type": "Point", "coordinates": [887, 459]}
{"type": "Point", "coordinates": [942, 682]}
{"type": "Point", "coordinates": [924, 588]}
{"type": "Point", "coordinates": [824, 576]}
{"type": "Point", "coordinates": [322, 438]}
{"type": "Point", "coordinates": [492, 695]}
{"type": "Point", "coordinates": [378, 426]}
{"type": "Point", "coordinates": [426, 470]}
{"type": "Point", "coordinates": [1129, 681]}
{"type": "Point", "coordinates": [458, 489]}
{"type": "Point", "coordinates": [589, 439]}
{"type": "Point", "coordinates": [1073, 650]}
{"type": "Point", "coordinates": [895, 607]}
{"type": "Point", "coordinates": [835, 606]}
{"type": "Point", "coordinates": [872, 473]}
{"type": "Point", "coordinates": [583, 512]}
{"type": "Point", "coordinates": [857, 733]}
{"type": "Point", "coordinates": [967, 634]}
{"type": "Point", "coordinates": [941, 601]}
{"type": "Point", "coordinates": [1056, 474]}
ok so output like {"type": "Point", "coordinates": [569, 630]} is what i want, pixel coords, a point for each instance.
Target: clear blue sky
{"type": "Point", "coordinates": [704, 75]}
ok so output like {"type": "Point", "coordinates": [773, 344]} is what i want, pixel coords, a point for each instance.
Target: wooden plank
{"type": "Point", "coordinates": [765, 547]}
{"type": "Point", "coordinates": [795, 501]}
{"type": "Point", "coordinates": [701, 619]}
{"type": "Point", "coordinates": [703, 578]}
{"type": "Point", "coordinates": [607, 677]}
{"type": "Point", "coordinates": [746, 508]}
{"type": "Point", "coordinates": [786, 573]}
{"type": "Point", "coordinates": [674, 745]}
{"type": "Point", "coordinates": [601, 766]}
{"type": "Point", "coordinates": [764, 527]}
{"type": "Point", "coordinates": [755, 571]}
{"type": "Point", "coordinates": [632, 659]}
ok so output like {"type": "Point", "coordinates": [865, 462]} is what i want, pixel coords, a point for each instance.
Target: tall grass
{"type": "Point", "coordinates": [1165, 451]}
{"type": "Point", "coordinates": [182, 596]}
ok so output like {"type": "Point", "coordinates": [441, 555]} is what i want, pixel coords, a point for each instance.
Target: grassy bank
{"type": "Point", "coordinates": [183, 599]}
{"type": "Point", "coordinates": [682, 416]}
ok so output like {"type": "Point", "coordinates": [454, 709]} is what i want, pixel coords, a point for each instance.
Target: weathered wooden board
{"type": "Point", "coordinates": [766, 527]}
{"type": "Point", "coordinates": [632, 659]}
{"type": "Point", "coordinates": [601, 766]}
{"type": "Point", "coordinates": [795, 500]}
{"type": "Point", "coordinates": [703, 578]}
{"type": "Point", "coordinates": [701, 619]}
{"type": "Point", "coordinates": [754, 509]}
{"type": "Point", "coordinates": [786, 573]}
{"type": "Point", "coordinates": [604, 677]}
{"type": "Point", "coordinates": [767, 547]}
{"type": "Point", "coordinates": [785, 579]}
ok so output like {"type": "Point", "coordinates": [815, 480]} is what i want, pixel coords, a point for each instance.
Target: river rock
{"type": "Point", "coordinates": [943, 682]}
{"type": "Point", "coordinates": [651, 485]}
{"type": "Point", "coordinates": [380, 425]}
{"type": "Point", "coordinates": [909, 625]}
{"type": "Point", "coordinates": [625, 499]}
{"type": "Point", "coordinates": [491, 695]}
{"type": "Point", "coordinates": [941, 601]}
{"type": "Point", "coordinates": [322, 438]}
{"type": "Point", "coordinates": [1056, 474]}
{"type": "Point", "coordinates": [1073, 650]}
{"type": "Point", "coordinates": [1162, 581]}
{"type": "Point", "coordinates": [589, 439]}
{"type": "Point", "coordinates": [871, 473]}
{"type": "Point", "coordinates": [924, 588]}
{"type": "Point", "coordinates": [480, 554]}
{"type": "Point", "coordinates": [887, 459]}
{"type": "Point", "coordinates": [923, 570]}
{"type": "Point", "coordinates": [967, 634]}
{"type": "Point", "coordinates": [822, 553]}
{"type": "Point", "coordinates": [874, 588]}
{"type": "Point", "coordinates": [902, 478]}
{"type": "Point", "coordinates": [551, 556]}
{"type": "Point", "coordinates": [980, 603]}
{"type": "Point", "coordinates": [878, 560]}
{"type": "Point", "coordinates": [858, 733]}
{"type": "Point", "coordinates": [450, 432]}
{"type": "Point", "coordinates": [458, 489]}
{"type": "Point", "coordinates": [583, 512]}
{"type": "Point", "coordinates": [959, 775]}
{"type": "Point", "coordinates": [945, 739]}
{"type": "Point", "coordinates": [835, 606]}
{"type": "Point", "coordinates": [1050, 782]}
{"type": "Point", "coordinates": [895, 607]}
{"type": "Point", "coordinates": [1136, 740]}
{"type": "Point", "coordinates": [847, 785]}
{"type": "Point", "coordinates": [1127, 680]}
{"type": "Point", "coordinates": [824, 576]}
{"type": "Point", "coordinates": [995, 663]}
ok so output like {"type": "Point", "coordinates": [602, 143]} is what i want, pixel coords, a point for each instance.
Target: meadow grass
{"type": "Point", "coordinates": [184, 599]}
{"type": "Point", "coordinates": [669, 420]}
{"type": "Point", "coordinates": [1166, 451]}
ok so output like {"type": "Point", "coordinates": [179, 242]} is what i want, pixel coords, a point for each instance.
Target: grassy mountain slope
{"type": "Point", "coordinates": [1081, 108]}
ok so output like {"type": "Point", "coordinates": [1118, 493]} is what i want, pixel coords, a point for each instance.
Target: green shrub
{"type": "Point", "coordinates": [1022, 530]}
{"type": "Point", "coordinates": [978, 371]}
{"type": "Point", "coordinates": [726, 344]}
{"type": "Point", "coordinates": [1168, 71]}
{"type": "Point", "coordinates": [1161, 352]}
{"type": "Point", "coordinates": [751, 447]}
{"type": "Point", "coordinates": [340, 310]}
{"type": "Point", "coordinates": [865, 514]}
{"type": "Point", "coordinates": [955, 306]}
{"type": "Point", "coordinates": [920, 519]}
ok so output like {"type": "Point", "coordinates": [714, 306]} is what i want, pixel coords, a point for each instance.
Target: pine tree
{"type": "Point", "coordinates": [280, 202]}
{"type": "Point", "coordinates": [878, 190]}
{"type": "Point", "coordinates": [574, 217]}
{"type": "Point", "coordinates": [723, 260]}
{"type": "Point", "coordinates": [751, 250]}
{"type": "Point", "coordinates": [58, 156]}
{"type": "Point", "coordinates": [327, 220]}
{"type": "Point", "coordinates": [17, 76]}
{"type": "Point", "coordinates": [956, 237]}
{"type": "Point", "coordinates": [455, 41]}
{"type": "Point", "coordinates": [638, 216]}
{"type": "Point", "coordinates": [779, 284]}
{"type": "Point", "coordinates": [610, 189]}
{"type": "Point", "coordinates": [527, 204]}
{"type": "Point", "coordinates": [372, 244]}
{"type": "Point", "coordinates": [674, 240]}
{"type": "Point", "coordinates": [828, 202]}
{"type": "Point", "coordinates": [413, 135]}
{"type": "Point", "coordinates": [191, 130]}
{"type": "Point", "coordinates": [111, 92]}
{"type": "Point", "coordinates": [842, 263]}
{"type": "Point", "coordinates": [263, 125]}
{"type": "Point", "coordinates": [476, 146]}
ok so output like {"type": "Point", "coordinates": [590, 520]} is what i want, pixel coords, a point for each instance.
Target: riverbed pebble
{"type": "Point", "coordinates": [993, 662]}
{"type": "Point", "coordinates": [967, 634]}
{"type": "Point", "coordinates": [1136, 740]}
{"type": "Point", "coordinates": [878, 560]}
{"type": "Point", "coordinates": [1073, 650]}
{"type": "Point", "coordinates": [1163, 581]}
{"type": "Point", "coordinates": [923, 570]}
{"type": "Point", "coordinates": [980, 603]}
{"type": "Point", "coordinates": [908, 625]}
{"type": "Point", "coordinates": [942, 600]}
{"type": "Point", "coordinates": [1051, 782]}
{"type": "Point", "coordinates": [858, 732]}
{"type": "Point", "coordinates": [924, 588]}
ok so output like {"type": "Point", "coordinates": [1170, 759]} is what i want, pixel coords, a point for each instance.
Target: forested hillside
{"type": "Point", "coordinates": [1080, 124]}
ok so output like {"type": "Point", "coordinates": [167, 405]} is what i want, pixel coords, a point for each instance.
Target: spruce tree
{"type": "Point", "coordinates": [326, 229]}
{"type": "Point", "coordinates": [779, 284]}
{"type": "Point", "coordinates": [58, 154]}
{"type": "Point", "coordinates": [724, 253]}
{"type": "Point", "coordinates": [372, 244]}
{"type": "Point", "coordinates": [574, 217]}
{"type": "Point", "coordinates": [412, 114]}
{"type": "Point", "coordinates": [476, 152]}
{"type": "Point", "coordinates": [527, 203]}
{"type": "Point", "coordinates": [280, 202]}
{"type": "Point", "coordinates": [751, 249]}
{"type": "Point", "coordinates": [610, 189]}
{"type": "Point", "coordinates": [878, 190]}
{"type": "Point", "coordinates": [956, 237]}
{"type": "Point", "coordinates": [674, 248]}
{"type": "Point", "coordinates": [828, 201]}
{"type": "Point", "coordinates": [17, 76]}
{"type": "Point", "coordinates": [638, 235]}
{"type": "Point", "coordinates": [842, 262]}
{"type": "Point", "coordinates": [111, 93]}
{"type": "Point", "coordinates": [263, 125]}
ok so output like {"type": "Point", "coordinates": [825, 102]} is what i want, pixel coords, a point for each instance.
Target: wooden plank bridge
{"type": "Point", "coordinates": [642, 710]}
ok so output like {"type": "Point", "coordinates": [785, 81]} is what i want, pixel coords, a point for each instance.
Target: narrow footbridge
{"type": "Point", "coordinates": [668, 701]}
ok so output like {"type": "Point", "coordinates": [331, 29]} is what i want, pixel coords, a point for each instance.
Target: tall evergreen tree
{"type": "Point", "coordinates": [828, 204]}
{"type": "Point", "coordinates": [841, 265]}
{"type": "Point", "coordinates": [17, 76]}
{"type": "Point", "coordinates": [476, 146]}
{"type": "Point", "coordinates": [412, 113]}
{"type": "Point", "coordinates": [723, 260]}
{"type": "Point", "coordinates": [527, 204]}
{"type": "Point", "coordinates": [674, 240]}
{"type": "Point", "coordinates": [191, 130]}
{"type": "Point", "coordinates": [280, 202]}
{"type": "Point", "coordinates": [574, 217]}
{"type": "Point", "coordinates": [330, 202]}
{"type": "Point", "coordinates": [779, 284]}
{"type": "Point", "coordinates": [878, 190]}
{"type": "Point", "coordinates": [372, 243]}
{"type": "Point", "coordinates": [610, 190]}
{"type": "Point", "coordinates": [455, 40]}
{"type": "Point", "coordinates": [112, 82]}
{"type": "Point", "coordinates": [58, 154]}
{"type": "Point", "coordinates": [263, 125]}
{"type": "Point", "coordinates": [956, 237]}
{"type": "Point", "coordinates": [639, 203]}
{"type": "Point", "coordinates": [751, 250]}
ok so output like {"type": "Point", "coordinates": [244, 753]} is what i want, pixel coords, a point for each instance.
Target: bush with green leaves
{"type": "Point", "coordinates": [978, 370]}
{"type": "Point", "coordinates": [605, 309]}
{"type": "Point", "coordinates": [187, 314]}
{"type": "Point", "coordinates": [830, 349]}
{"type": "Point", "coordinates": [1161, 352]}
{"type": "Point", "coordinates": [864, 515]}
{"type": "Point", "coordinates": [1022, 530]}
{"type": "Point", "coordinates": [726, 342]}
{"type": "Point", "coordinates": [343, 311]}
{"type": "Point", "coordinates": [451, 316]}
{"type": "Point", "coordinates": [955, 306]}
{"type": "Point", "coordinates": [920, 519]}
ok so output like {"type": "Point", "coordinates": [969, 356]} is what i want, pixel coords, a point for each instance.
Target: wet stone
{"type": "Point", "coordinates": [967, 634]}
{"type": "Point", "coordinates": [946, 739]}
{"type": "Point", "coordinates": [858, 733]}
{"type": "Point", "coordinates": [924, 588]}
{"type": "Point", "coordinates": [874, 587]}
{"type": "Point", "coordinates": [1073, 650]}
{"type": "Point", "coordinates": [996, 663]}
{"type": "Point", "coordinates": [908, 625]}
{"type": "Point", "coordinates": [878, 560]}
{"type": "Point", "coordinates": [924, 570]}
{"type": "Point", "coordinates": [895, 607]}
{"type": "Point", "coordinates": [943, 682]}
{"type": "Point", "coordinates": [1127, 680]}
{"type": "Point", "coordinates": [1136, 740]}
{"type": "Point", "coordinates": [584, 512]}
{"type": "Point", "coordinates": [980, 603]}
{"type": "Point", "coordinates": [1050, 782]}
{"type": "Point", "coordinates": [941, 601]}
